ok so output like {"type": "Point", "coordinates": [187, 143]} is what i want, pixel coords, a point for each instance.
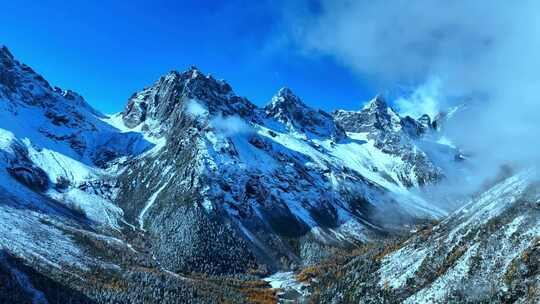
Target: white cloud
{"type": "Point", "coordinates": [425, 99]}
{"type": "Point", "coordinates": [196, 109]}
{"type": "Point", "coordinates": [230, 125]}
{"type": "Point", "coordinates": [484, 52]}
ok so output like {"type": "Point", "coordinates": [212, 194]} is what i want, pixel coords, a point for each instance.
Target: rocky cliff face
{"type": "Point", "coordinates": [156, 109]}
{"type": "Point", "coordinates": [394, 136]}
{"type": "Point", "coordinates": [288, 109]}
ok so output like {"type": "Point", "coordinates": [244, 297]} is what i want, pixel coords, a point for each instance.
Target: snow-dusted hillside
{"type": "Point", "coordinates": [487, 251]}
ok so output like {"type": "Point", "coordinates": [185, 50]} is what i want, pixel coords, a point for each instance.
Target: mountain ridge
{"type": "Point", "coordinates": [192, 179]}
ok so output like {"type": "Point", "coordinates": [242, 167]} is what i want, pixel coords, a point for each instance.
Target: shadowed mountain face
{"type": "Point", "coordinates": [192, 184]}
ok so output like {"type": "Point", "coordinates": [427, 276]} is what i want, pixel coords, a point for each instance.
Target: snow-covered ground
{"type": "Point", "coordinates": [290, 290]}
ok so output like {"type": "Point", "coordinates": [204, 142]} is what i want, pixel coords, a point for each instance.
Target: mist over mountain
{"type": "Point", "coordinates": [477, 54]}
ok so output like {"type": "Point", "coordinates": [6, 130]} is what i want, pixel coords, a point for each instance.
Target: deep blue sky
{"type": "Point", "coordinates": [106, 50]}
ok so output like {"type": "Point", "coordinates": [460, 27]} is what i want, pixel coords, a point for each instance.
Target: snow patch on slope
{"type": "Point", "coordinates": [149, 205]}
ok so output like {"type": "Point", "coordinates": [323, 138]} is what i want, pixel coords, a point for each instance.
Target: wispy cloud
{"type": "Point", "coordinates": [485, 52]}
{"type": "Point", "coordinates": [230, 125]}
{"type": "Point", "coordinates": [196, 109]}
{"type": "Point", "coordinates": [425, 99]}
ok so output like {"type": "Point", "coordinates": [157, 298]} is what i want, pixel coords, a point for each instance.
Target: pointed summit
{"type": "Point", "coordinates": [286, 107]}
{"type": "Point", "coordinates": [375, 116]}
{"type": "Point", "coordinates": [7, 61]}
{"type": "Point", "coordinates": [19, 81]}
{"type": "Point", "coordinates": [377, 103]}
{"type": "Point", "coordinates": [285, 92]}
{"type": "Point", "coordinates": [161, 105]}
{"type": "Point", "coordinates": [4, 51]}
{"type": "Point", "coordinates": [290, 110]}
{"type": "Point", "coordinates": [175, 75]}
{"type": "Point", "coordinates": [194, 72]}
{"type": "Point", "coordinates": [172, 74]}
{"type": "Point", "coordinates": [284, 104]}
{"type": "Point", "coordinates": [285, 98]}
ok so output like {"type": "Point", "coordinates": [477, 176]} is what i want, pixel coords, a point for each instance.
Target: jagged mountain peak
{"type": "Point", "coordinates": [191, 73]}
{"type": "Point", "coordinates": [172, 75]}
{"type": "Point", "coordinates": [376, 106]}
{"type": "Point", "coordinates": [392, 134]}
{"type": "Point", "coordinates": [285, 100]}
{"type": "Point", "coordinates": [289, 109]}
{"type": "Point", "coordinates": [163, 103]}
{"type": "Point", "coordinates": [379, 106]}
{"type": "Point", "coordinates": [377, 102]}
{"type": "Point", "coordinates": [375, 116]}
{"type": "Point", "coordinates": [4, 52]}
{"type": "Point", "coordinates": [287, 94]}
{"type": "Point", "coordinates": [285, 91]}
{"type": "Point", "coordinates": [19, 82]}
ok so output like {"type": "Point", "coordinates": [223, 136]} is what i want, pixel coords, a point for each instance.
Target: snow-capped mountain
{"type": "Point", "coordinates": [265, 176]}
{"type": "Point", "coordinates": [192, 180]}
{"type": "Point", "coordinates": [394, 136]}
{"type": "Point", "coordinates": [289, 110]}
